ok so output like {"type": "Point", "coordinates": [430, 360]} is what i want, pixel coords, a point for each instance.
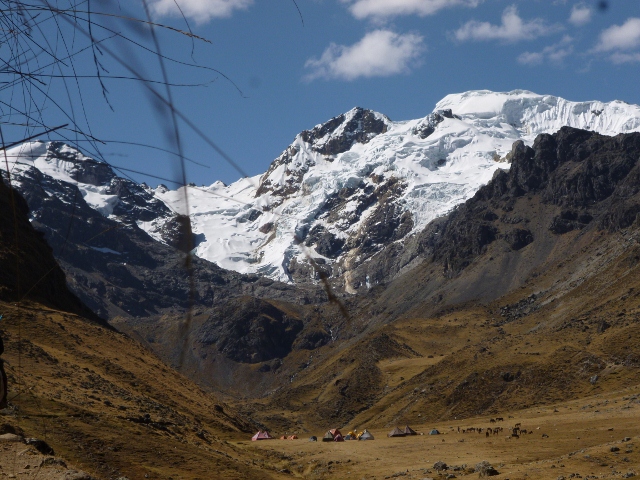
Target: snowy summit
{"type": "Point", "coordinates": [349, 187]}
{"type": "Point", "coordinates": [344, 189]}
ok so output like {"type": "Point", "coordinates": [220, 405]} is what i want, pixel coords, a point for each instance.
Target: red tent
{"type": "Point", "coordinates": [335, 431]}
{"type": "Point", "coordinates": [261, 436]}
{"type": "Point", "coordinates": [338, 438]}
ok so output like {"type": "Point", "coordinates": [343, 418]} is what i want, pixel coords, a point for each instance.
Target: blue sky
{"type": "Point", "coordinates": [398, 57]}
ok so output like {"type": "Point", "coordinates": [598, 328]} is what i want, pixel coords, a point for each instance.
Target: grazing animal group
{"type": "Point", "coordinates": [516, 430]}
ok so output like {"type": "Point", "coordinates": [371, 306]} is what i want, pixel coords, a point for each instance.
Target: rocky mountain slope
{"type": "Point", "coordinates": [359, 183]}
{"type": "Point", "coordinates": [132, 280]}
{"type": "Point", "coordinates": [90, 218]}
{"type": "Point", "coordinates": [354, 195]}
{"type": "Point", "coordinates": [339, 194]}
{"type": "Point", "coordinates": [252, 336]}
{"type": "Point", "coordinates": [525, 294]}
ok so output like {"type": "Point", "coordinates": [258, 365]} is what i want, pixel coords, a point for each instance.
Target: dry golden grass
{"type": "Point", "coordinates": [580, 436]}
{"type": "Point", "coordinates": [109, 406]}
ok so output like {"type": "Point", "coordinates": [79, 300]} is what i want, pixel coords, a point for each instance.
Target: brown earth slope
{"type": "Point", "coordinates": [109, 406]}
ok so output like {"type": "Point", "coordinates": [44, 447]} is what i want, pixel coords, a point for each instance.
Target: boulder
{"type": "Point", "coordinates": [440, 466]}
{"type": "Point", "coordinates": [40, 445]}
{"type": "Point", "coordinates": [485, 469]}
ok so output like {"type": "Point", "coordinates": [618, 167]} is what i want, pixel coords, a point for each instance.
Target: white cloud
{"type": "Point", "coordinates": [620, 57]}
{"type": "Point", "coordinates": [512, 29]}
{"type": "Point", "coordinates": [620, 37]}
{"type": "Point", "coordinates": [200, 11]}
{"type": "Point", "coordinates": [380, 53]}
{"type": "Point", "coordinates": [531, 58]}
{"type": "Point", "coordinates": [555, 53]}
{"type": "Point", "coordinates": [580, 15]}
{"type": "Point", "coordinates": [380, 9]}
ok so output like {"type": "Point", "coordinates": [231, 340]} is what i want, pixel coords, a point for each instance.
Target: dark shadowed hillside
{"type": "Point", "coordinates": [98, 398]}
{"type": "Point", "coordinates": [28, 269]}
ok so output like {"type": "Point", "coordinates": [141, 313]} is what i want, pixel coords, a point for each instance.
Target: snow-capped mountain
{"type": "Point", "coordinates": [56, 164]}
{"type": "Point", "coordinates": [347, 188]}
{"type": "Point", "coordinates": [342, 191]}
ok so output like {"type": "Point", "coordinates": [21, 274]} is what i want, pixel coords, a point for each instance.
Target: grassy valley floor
{"type": "Point", "coordinates": [594, 437]}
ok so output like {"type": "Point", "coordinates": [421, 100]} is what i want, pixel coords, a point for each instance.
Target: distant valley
{"type": "Point", "coordinates": [482, 259]}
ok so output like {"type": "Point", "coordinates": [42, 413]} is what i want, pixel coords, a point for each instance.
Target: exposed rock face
{"type": "Point", "coordinates": [592, 180]}
{"type": "Point", "coordinates": [249, 330]}
{"type": "Point", "coordinates": [586, 174]}
{"type": "Point", "coordinates": [428, 126]}
{"type": "Point", "coordinates": [360, 127]}
{"type": "Point", "coordinates": [328, 139]}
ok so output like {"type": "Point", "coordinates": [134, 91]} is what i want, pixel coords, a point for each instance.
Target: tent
{"type": "Point", "coordinates": [335, 431]}
{"type": "Point", "coordinates": [328, 437]}
{"type": "Point", "coordinates": [313, 438]}
{"type": "Point", "coordinates": [434, 432]}
{"type": "Point", "coordinates": [293, 437]}
{"type": "Point", "coordinates": [396, 432]}
{"type": "Point", "coordinates": [366, 436]}
{"type": "Point", "coordinates": [409, 431]}
{"type": "Point", "coordinates": [261, 436]}
{"type": "Point", "coordinates": [283, 437]}
{"type": "Point", "coordinates": [348, 437]}
{"type": "Point", "coordinates": [338, 438]}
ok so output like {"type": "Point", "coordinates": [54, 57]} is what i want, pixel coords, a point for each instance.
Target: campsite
{"type": "Point", "coordinates": [594, 437]}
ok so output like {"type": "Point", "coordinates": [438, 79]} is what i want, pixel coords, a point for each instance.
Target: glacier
{"type": "Point", "coordinates": [469, 142]}
{"type": "Point", "coordinates": [345, 189]}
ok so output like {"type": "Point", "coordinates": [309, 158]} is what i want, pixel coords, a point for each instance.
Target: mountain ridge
{"type": "Point", "coordinates": [342, 192]}
{"type": "Point", "coordinates": [400, 175]}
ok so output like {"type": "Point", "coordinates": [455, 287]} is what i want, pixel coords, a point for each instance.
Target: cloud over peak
{"type": "Point", "coordinates": [380, 53]}
{"type": "Point", "coordinates": [512, 29]}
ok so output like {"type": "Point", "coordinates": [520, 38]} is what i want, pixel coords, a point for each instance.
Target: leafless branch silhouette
{"type": "Point", "coordinates": [49, 50]}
